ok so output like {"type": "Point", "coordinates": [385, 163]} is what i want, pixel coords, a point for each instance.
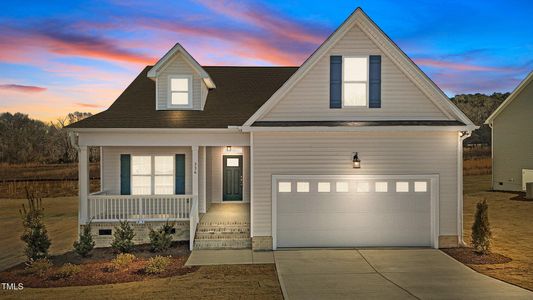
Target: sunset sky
{"type": "Point", "coordinates": [58, 57]}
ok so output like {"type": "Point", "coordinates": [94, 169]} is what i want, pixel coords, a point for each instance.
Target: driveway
{"type": "Point", "coordinates": [384, 274]}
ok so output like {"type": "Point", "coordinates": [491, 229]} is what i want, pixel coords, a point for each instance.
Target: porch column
{"type": "Point", "coordinates": [83, 184]}
{"type": "Point", "coordinates": [195, 171]}
{"type": "Point", "coordinates": [203, 204]}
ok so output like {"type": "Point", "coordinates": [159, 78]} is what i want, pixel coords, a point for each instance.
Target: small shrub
{"type": "Point", "coordinates": [67, 270]}
{"type": "Point", "coordinates": [157, 264]}
{"type": "Point", "coordinates": [123, 237]}
{"type": "Point", "coordinates": [37, 267]}
{"type": "Point", "coordinates": [122, 261]}
{"type": "Point", "coordinates": [35, 235]}
{"type": "Point", "coordinates": [85, 244]}
{"type": "Point", "coordinates": [481, 233]}
{"type": "Point", "coordinates": [161, 239]}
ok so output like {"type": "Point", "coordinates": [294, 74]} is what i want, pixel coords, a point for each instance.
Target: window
{"type": "Point", "coordinates": [152, 175]}
{"type": "Point", "coordinates": [381, 187]}
{"type": "Point", "coordinates": [355, 81]}
{"type": "Point", "coordinates": [363, 187]}
{"type": "Point", "coordinates": [402, 187]}
{"type": "Point", "coordinates": [302, 187]}
{"type": "Point", "coordinates": [421, 186]}
{"type": "Point", "coordinates": [232, 162]}
{"type": "Point", "coordinates": [324, 187]}
{"type": "Point", "coordinates": [342, 187]}
{"type": "Point", "coordinates": [180, 90]}
{"type": "Point", "coordinates": [284, 187]}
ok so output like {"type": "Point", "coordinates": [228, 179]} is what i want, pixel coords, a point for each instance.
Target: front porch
{"type": "Point", "coordinates": [192, 191]}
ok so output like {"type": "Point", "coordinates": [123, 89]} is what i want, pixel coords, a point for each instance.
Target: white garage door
{"type": "Point", "coordinates": [354, 211]}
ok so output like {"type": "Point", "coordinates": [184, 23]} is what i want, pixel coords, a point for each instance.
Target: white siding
{"type": "Point", "coordinates": [178, 66]}
{"type": "Point", "coordinates": [111, 157]}
{"type": "Point", "coordinates": [513, 142]}
{"type": "Point", "coordinates": [398, 153]}
{"type": "Point", "coordinates": [309, 98]}
{"type": "Point", "coordinates": [214, 172]}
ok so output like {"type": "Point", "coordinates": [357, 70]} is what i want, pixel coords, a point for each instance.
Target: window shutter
{"type": "Point", "coordinates": [374, 81]}
{"type": "Point", "coordinates": [335, 81]}
{"type": "Point", "coordinates": [180, 174]}
{"type": "Point", "coordinates": [125, 174]}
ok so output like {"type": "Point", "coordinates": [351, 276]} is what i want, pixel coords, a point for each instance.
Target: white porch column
{"type": "Point", "coordinates": [203, 204]}
{"type": "Point", "coordinates": [195, 170]}
{"type": "Point", "coordinates": [83, 184]}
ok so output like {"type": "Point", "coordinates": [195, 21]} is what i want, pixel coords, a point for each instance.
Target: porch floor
{"type": "Point", "coordinates": [227, 214]}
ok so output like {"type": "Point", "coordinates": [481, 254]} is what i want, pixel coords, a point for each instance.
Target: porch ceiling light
{"type": "Point", "coordinates": [356, 161]}
{"type": "Point", "coordinates": [228, 148]}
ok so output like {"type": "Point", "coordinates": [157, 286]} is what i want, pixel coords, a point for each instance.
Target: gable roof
{"type": "Point", "coordinates": [510, 98]}
{"type": "Point", "coordinates": [404, 63]}
{"type": "Point", "coordinates": [240, 92]}
{"type": "Point", "coordinates": [160, 65]}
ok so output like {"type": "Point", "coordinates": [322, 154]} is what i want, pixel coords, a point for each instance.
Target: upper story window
{"type": "Point", "coordinates": [355, 81]}
{"type": "Point", "coordinates": [180, 91]}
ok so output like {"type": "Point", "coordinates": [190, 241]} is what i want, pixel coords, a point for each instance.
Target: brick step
{"type": "Point", "coordinates": [223, 229]}
{"type": "Point", "coordinates": [228, 224]}
{"type": "Point", "coordinates": [201, 244]}
{"type": "Point", "coordinates": [221, 235]}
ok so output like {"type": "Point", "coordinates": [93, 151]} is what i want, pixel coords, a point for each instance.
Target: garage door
{"type": "Point", "coordinates": [354, 211]}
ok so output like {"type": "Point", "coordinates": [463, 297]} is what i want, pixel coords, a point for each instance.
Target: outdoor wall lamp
{"type": "Point", "coordinates": [228, 148]}
{"type": "Point", "coordinates": [356, 161]}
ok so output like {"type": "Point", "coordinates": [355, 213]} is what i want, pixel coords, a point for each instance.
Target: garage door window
{"type": "Point", "coordinates": [421, 186]}
{"type": "Point", "coordinates": [363, 187]}
{"type": "Point", "coordinates": [324, 187]}
{"type": "Point", "coordinates": [381, 187]}
{"type": "Point", "coordinates": [302, 187]}
{"type": "Point", "coordinates": [402, 187]}
{"type": "Point", "coordinates": [342, 187]}
{"type": "Point", "coordinates": [284, 187]}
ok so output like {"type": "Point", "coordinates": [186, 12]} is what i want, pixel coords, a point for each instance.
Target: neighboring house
{"type": "Point", "coordinates": [356, 147]}
{"type": "Point", "coordinates": [512, 139]}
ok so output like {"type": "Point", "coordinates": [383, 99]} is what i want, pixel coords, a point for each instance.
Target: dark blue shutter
{"type": "Point", "coordinates": [125, 174]}
{"type": "Point", "coordinates": [374, 82]}
{"type": "Point", "coordinates": [335, 81]}
{"type": "Point", "coordinates": [180, 174]}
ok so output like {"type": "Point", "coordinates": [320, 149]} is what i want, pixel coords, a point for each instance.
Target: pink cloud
{"type": "Point", "coordinates": [22, 88]}
{"type": "Point", "coordinates": [90, 105]}
{"type": "Point", "coordinates": [435, 63]}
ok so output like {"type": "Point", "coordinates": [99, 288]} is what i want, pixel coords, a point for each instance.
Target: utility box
{"type": "Point", "coordinates": [529, 190]}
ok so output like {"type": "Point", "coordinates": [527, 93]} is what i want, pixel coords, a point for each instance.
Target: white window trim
{"type": "Point", "coordinates": [153, 175]}
{"type": "Point", "coordinates": [169, 91]}
{"type": "Point", "coordinates": [365, 82]}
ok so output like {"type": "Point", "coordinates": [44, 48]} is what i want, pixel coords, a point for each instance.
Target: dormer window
{"type": "Point", "coordinates": [355, 81]}
{"type": "Point", "coordinates": [180, 91]}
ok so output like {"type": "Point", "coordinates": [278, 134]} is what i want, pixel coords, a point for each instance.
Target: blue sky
{"type": "Point", "coordinates": [62, 56]}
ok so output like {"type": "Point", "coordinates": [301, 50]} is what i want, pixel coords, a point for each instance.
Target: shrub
{"type": "Point", "coordinates": [67, 270]}
{"type": "Point", "coordinates": [481, 234]}
{"type": "Point", "coordinates": [161, 239]}
{"type": "Point", "coordinates": [37, 267]}
{"type": "Point", "coordinates": [35, 235]}
{"type": "Point", "coordinates": [123, 237]}
{"type": "Point", "coordinates": [85, 244]}
{"type": "Point", "coordinates": [157, 264]}
{"type": "Point", "coordinates": [122, 261]}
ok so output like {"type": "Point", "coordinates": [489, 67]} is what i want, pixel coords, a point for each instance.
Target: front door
{"type": "Point", "coordinates": [232, 178]}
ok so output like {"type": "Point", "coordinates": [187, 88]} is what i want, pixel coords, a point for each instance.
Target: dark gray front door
{"type": "Point", "coordinates": [232, 178]}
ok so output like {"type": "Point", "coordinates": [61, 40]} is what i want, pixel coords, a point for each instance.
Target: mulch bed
{"type": "Point", "coordinates": [467, 256]}
{"type": "Point", "coordinates": [97, 269]}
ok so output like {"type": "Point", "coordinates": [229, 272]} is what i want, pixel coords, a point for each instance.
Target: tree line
{"type": "Point", "coordinates": [27, 140]}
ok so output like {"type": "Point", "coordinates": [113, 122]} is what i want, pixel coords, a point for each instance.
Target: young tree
{"type": "Point", "coordinates": [86, 243]}
{"type": "Point", "coordinates": [123, 237]}
{"type": "Point", "coordinates": [35, 235]}
{"type": "Point", "coordinates": [481, 233]}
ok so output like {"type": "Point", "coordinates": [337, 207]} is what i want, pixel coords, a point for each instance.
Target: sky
{"type": "Point", "coordinates": [58, 56]}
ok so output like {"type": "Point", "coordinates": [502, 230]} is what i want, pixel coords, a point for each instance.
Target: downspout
{"type": "Point", "coordinates": [75, 145]}
{"type": "Point", "coordinates": [462, 136]}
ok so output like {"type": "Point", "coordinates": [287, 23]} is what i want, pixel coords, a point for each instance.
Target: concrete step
{"type": "Point", "coordinates": [241, 243]}
{"type": "Point", "coordinates": [221, 235]}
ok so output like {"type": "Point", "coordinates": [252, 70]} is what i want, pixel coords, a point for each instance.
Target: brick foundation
{"type": "Point", "coordinates": [448, 241]}
{"type": "Point", "coordinates": [141, 232]}
{"type": "Point", "coordinates": [261, 243]}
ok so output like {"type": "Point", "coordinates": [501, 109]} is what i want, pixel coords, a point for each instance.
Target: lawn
{"type": "Point", "coordinates": [512, 228]}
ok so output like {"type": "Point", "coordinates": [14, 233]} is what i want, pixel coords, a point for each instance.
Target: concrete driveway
{"type": "Point", "coordinates": [384, 274]}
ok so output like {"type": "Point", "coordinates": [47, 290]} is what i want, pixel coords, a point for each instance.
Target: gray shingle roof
{"type": "Point", "coordinates": [239, 94]}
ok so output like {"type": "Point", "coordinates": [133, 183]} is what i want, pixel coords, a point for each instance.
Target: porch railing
{"type": "Point", "coordinates": [140, 208]}
{"type": "Point", "coordinates": [193, 222]}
